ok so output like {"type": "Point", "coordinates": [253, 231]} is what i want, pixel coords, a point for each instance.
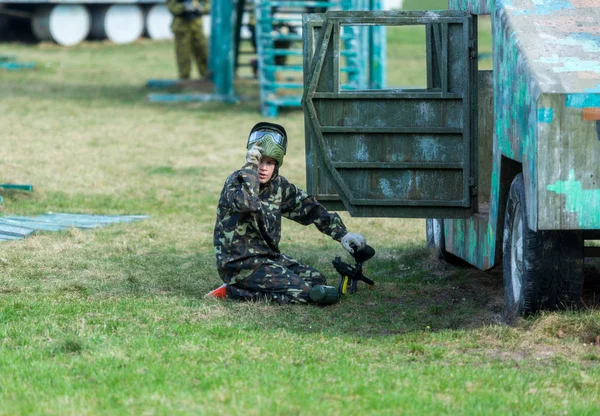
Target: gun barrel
{"type": "Point", "coordinates": [365, 279]}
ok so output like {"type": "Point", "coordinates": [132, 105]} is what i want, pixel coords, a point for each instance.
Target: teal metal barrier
{"type": "Point", "coordinates": [220, 62]}
{"type": "Point", "coordinates": [279, 47]}
{"type": "Point", "coordinates": [9, 62]}
{"type": "Point", "coordinates": [18, 227]}
{"type": "Point", "coordinates": [17, 187]}
{"type": "Point", "coordinates": [279, 52]}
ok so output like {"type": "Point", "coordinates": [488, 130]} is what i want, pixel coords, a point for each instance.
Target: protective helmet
{"type": "Point", "coordinates": [272, 138]}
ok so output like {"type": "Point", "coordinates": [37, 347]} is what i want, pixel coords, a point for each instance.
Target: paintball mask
{"type": "Point", "coordinates": [272, 138]}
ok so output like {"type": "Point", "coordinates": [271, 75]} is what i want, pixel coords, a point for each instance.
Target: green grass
{"type": "Point", "coordinates": [112, 321]}
{"type": "Point", "coordinates": [425, 5]}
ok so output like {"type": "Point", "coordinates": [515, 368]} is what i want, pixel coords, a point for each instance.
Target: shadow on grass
{"type": "Point", "coordinates": [414, 293]}
{"type": "Point", "coordinates": [167, 274]}
{"type": "Point", "coordinates": [125, 95]}
{"type": "Point", "coordinates": [42, 90]}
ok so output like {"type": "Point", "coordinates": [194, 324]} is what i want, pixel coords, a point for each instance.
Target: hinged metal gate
{"type": "Point", "coordinates": [396, 152]}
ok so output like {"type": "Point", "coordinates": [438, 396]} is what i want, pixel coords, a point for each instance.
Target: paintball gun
{"type": "Point", "coordinates": [352, 274]}
{"type": "Point", "coordinates": [327, 295]}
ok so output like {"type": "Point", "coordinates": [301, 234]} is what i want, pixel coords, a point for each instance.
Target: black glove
{"type": "Point", "coordinates": [191, 10]}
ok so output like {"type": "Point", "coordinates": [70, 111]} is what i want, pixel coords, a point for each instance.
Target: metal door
{"type": "Point", "coordinates": [394, 152]}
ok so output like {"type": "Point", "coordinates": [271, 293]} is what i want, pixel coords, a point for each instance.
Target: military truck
{"type": "Point", "coordinates": [504, 164]}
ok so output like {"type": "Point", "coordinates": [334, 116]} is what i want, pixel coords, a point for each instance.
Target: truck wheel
{"type": "Point", "coordinates": [542, 270]}
{"type": "Point", "coordinates": [434, 230]}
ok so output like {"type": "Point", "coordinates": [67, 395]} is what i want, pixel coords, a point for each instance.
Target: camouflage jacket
{"type": "Point", "coordinates": [248, 227]}
{"type": "Point", "coordinates": [177, 8]}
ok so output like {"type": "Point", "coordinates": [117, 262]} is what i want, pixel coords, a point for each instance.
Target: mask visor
{"type": "Point", "coordinates": [260, 135]}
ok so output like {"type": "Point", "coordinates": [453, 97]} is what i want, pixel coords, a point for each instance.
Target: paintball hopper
{"type": "Point", "coordinates": [363, 255]}
{"type": "Point", "coordinates": [324, 295]}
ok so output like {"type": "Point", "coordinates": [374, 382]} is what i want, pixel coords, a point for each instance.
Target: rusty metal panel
{"type": "Point", "coordinates": [317, 177]}
{"type": "Point", "coordinates": [472, 6]}
{"type": "Point", "coordinates": [399, 153]}
{"type": "Point", "coordinates": [559, 40]}
{"type": "Point", "coordinates": [545, 48]}
{"type": "Point", "coordinates": [311, 26]}
{"type": "Point", "coordinates": [568, 166]}
{"type": "Point", "coordinates": [515, 94]}
{"type": "Point", "coordinates": [485, 134]}
{"type": "Point", "coordinates": [473, 239]}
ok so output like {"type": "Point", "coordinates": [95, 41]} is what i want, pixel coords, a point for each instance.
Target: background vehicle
{"type": "Point", "coordinates": [506, 161]}
{"type": "Point", "coordinates": [69, 23]}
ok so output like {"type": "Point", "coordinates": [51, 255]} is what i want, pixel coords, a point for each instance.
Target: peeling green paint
{"type": "Point", "coordinates": [585, 41]}
{"type": "Point", "coordinates": [472, 6]}
{"type": "Point", "coordinates": [545, 115]}
{"type": "Point", "coordinates": [583, 202]}
{"type": "Point", "coordinates": [473, 238]}
{"type": "Point", "coordinates": [570, 64]}
{"type": "Point", "coordinates": [543, 7]}
{"type": "Point", "coordinates": [370, 148]}
{"type": "Point", "coordinates": [515, 95]}
{"type": "Point", "coordinates": [546, 69]}
{"type": "Point", "coordinates": [582, 100]}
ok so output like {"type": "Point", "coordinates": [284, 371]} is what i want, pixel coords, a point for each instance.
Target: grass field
{"type": "Point", "coordinates": [425, 5]}
{"type": "Point", "coordinates": [112, 321]}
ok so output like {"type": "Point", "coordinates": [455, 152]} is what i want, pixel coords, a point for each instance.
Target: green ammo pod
{"type": "Point", "coordinates": [324, 295]}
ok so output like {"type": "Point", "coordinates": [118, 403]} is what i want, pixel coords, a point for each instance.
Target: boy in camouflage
{"type": "Point", "coordinates": [248, 226]}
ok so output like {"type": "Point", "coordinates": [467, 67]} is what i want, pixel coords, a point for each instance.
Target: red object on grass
{"type": "Point", "coordinates": [219, 293]}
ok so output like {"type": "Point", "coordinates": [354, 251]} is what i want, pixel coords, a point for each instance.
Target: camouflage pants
{"type": "Point", "coordinates": [190, 41]}
{"type": "Point", "coordinates": [283, 280]}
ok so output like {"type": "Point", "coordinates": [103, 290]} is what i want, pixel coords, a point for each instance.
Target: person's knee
{"type": "Point", "coordinates": [319, 279]}
{"type": "Point", "coordinates": [294, 293]}
{"type": "Point", "coordinates": [239, 293]}
{"type": "Point", "coordinates": [313, 277]}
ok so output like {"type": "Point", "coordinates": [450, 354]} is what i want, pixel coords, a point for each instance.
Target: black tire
{"type": "Point", "coordinates": [542, 270]}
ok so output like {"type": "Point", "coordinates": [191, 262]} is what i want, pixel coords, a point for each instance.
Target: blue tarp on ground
{"type": "Point", "coordinates": [17, 227]}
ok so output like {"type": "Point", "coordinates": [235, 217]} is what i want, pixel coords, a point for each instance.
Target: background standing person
{"type": "Point", "coordinates": [189, 35]}
{"type": "Point", "coordinates": [248, 226]}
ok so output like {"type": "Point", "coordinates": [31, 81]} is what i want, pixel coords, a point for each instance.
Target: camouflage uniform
{"type": "Point", "coordinates": [247, 234]}
{"type": "Point", "coordinates": [189, 37]}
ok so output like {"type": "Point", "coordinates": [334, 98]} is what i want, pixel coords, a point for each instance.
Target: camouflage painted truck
{"type": "Point", "coordinates": [507, 161]}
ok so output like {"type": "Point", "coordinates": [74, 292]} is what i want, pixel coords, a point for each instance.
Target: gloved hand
{"type": "Point", "coordinates": [352, 241]}
{"type": "Point", "coordinates": [254, 155]}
